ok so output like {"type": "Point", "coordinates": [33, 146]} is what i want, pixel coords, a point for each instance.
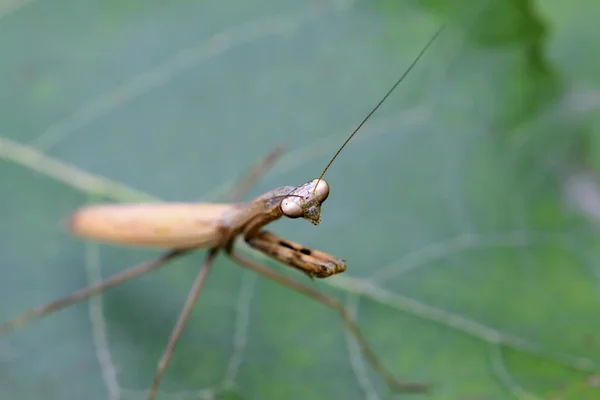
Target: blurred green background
{"type": "Point", "coordinates": [466, 208]}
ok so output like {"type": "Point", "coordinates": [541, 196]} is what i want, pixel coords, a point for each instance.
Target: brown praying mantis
{"type": "Point", "coordinates": [182, 227]}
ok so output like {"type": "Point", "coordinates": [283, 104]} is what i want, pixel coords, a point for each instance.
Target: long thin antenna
{"type": "Point", "coordinates": [380, 102]}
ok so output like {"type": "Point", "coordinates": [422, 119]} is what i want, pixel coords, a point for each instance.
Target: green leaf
{"type": "Point", "coordinates": [467, 269]}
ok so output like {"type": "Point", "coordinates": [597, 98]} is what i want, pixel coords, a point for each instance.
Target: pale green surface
{"type": "Point", "coordinates": [488, 284]}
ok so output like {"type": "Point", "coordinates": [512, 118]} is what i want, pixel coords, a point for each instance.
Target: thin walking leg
{"type": "Point", "coordinates": [88, 291]}
{"type": "Point", "coordinates": [255, 174]}
{"type": "Point", "coordinates": [182, 321]}
{"type": "Point", "coordinates": [331, 302]}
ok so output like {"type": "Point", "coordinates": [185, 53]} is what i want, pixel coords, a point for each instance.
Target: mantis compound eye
{"type": "Point", "coordinates": [322, 190]}
{"type": "Point", "coordinates": [291, 208]}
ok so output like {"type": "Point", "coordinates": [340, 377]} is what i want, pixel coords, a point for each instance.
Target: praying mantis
{"type": "Point", "coordinates": [183, 227]}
